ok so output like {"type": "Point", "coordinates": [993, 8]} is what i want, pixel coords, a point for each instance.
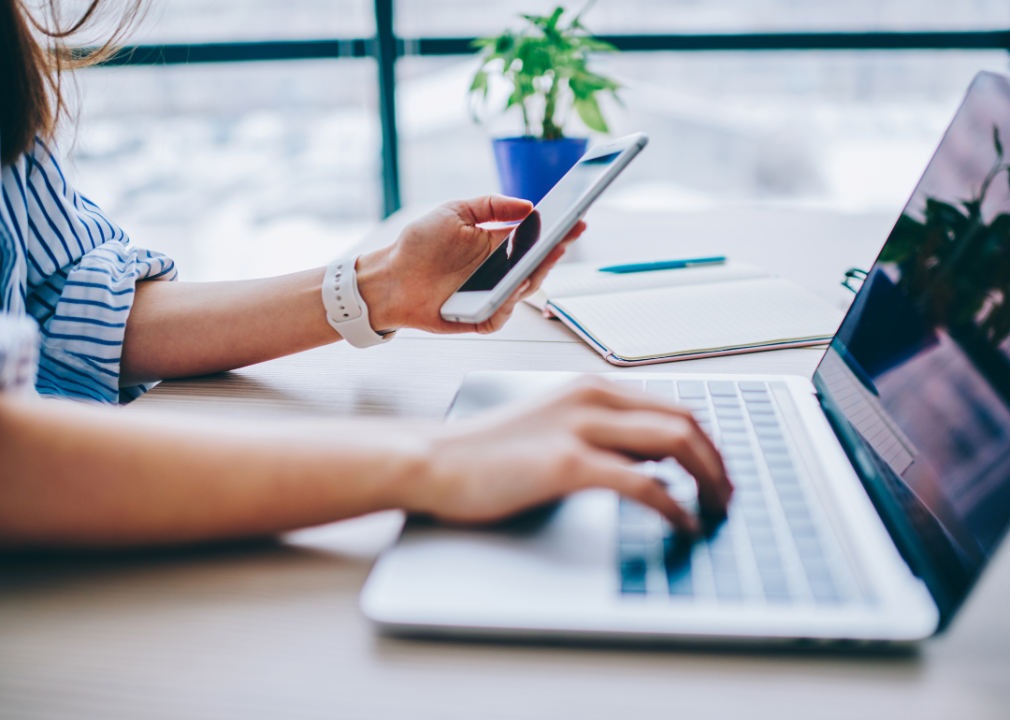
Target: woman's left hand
{"type": "Point", "coordinates": [406, 284]}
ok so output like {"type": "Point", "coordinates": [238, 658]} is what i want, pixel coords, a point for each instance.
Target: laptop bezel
{"type": "Point", "coordinates": [869, 468]}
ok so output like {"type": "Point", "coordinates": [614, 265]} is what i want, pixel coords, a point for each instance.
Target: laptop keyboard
{"type": "Point", "coordinates": [770, 548]}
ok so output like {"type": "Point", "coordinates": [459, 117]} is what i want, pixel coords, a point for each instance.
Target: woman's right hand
{"type": "Point", "coordinates": [590, 434]}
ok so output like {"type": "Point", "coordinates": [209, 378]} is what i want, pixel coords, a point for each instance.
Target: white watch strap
{"type": "Point", "coordinates": [346, 312]}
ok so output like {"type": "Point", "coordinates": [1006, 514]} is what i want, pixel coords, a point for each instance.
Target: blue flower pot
{"type": "Point", "coordinates": [528, 168]}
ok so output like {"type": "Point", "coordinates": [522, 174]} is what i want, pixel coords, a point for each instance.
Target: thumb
{"type": "Point", "coordinates": [493, 208]}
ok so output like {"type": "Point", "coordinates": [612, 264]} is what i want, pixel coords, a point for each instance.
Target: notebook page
{"type": "Point", "coordinates": [698, 318]}
{"type": "Point", "coordinates": [572, 279]}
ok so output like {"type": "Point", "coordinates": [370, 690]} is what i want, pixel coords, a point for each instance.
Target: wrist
{"type": "Point", "coordinates": [375, 286]}
{"type": "Point", "coordinates": [434, 485]}
{"type": "Point", "coordinates": [407, 485]}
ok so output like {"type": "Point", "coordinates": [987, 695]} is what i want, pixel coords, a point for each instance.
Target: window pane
{"type": "Point", "coordinates": [841, 131]}
{"type": "Point", "coordinates": [223, 20]}
{"type": "Point", "coordinates": [236, 170]}
{"type": "Point", "coordinates": [440, 18]}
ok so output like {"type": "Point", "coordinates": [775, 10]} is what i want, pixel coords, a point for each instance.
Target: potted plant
{"type": "Point", "coordinates": [546, 64]}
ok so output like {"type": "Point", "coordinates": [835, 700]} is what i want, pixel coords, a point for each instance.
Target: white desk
{"type": "Point", "coordinates": [272, 630]}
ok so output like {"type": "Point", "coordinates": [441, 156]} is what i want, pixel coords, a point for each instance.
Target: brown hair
{"type": "Point", "coordinates": [32, 99]}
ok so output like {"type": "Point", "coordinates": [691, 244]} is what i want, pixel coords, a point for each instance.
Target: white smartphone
{"type": "Point", "coordinates": [525, 248]}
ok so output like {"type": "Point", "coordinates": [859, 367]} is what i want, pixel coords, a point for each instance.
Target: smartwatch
{"type": "Point", "coordinates": [346, 312]}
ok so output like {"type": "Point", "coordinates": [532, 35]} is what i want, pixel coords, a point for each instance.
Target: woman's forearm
{"type": "Point", "coordinates": [97, 477]}
{"type": "Point", "coordinates": [82, 476]}
{"type": "Point", "coordinates": [186, 329]}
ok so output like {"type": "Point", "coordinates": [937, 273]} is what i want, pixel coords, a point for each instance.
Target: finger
{"type": "Point", "coordinates": [492, 208]}
{"type": "Point", "coordinates": [538, 276]}
{"type": "Point", "coordinates": [576, 231]}
{"type": "Point", "coordinates": [652, 435]}
{"type": "Point", "coordinates": [603, 471]}
{"type": "Point", "coordinates": [501, 316]}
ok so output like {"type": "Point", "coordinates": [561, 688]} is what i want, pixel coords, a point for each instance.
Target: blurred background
{"type": "Point", "coordinates": [258, 168]}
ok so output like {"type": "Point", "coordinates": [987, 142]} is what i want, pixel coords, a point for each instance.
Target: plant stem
{"type": "Point", "coordinates": [551, 131]}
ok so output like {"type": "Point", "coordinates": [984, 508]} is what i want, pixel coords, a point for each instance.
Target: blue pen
{"type": "Point", "coordinates": [663, 265]}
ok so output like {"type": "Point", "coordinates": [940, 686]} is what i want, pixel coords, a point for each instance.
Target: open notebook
{"type": "Point", "coordinates": [666, 315]}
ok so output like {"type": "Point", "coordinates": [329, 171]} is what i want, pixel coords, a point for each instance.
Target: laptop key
{"type": "Point", "coordinates": [767, 557]}
{"type": "Point", "coordinates": [692, 404]}
{"type": "Point", "coordinates": [756, 515]}
{"type": "Point", "coordinates": [764, 420]}
{"type": "Point", "coordinates": [817, 572]}
{"type": "Point", "coordinates": [751, 386]}
{"type": "Point", "coordinates": [801, 528]}
{"type": "Point", "coordinates": [629, 510]}
{"type": "Point", "coordinates": [732, 413]}
{"type": "Point", "coordinates": [738, 453]}
{"type": "Point", "coordinates": [741, 467]}
{"type": "Point", "coordinates": [775, 585]}
{"type": "Point", "coordinates": [762, 536]}
{"type": "Point", "coordinates": [727, 586]}
{"type": "Point", "coordinates": [691, 389]}
{"type": "Point", "coordinates": [747, 492]}
{"type": "Point", "coordinates": [634, 567]}
{"type": "Point", "coordinates": [662, 388]}
{"type": "Point", "coordinates": [824, 592]}
{"type": "Point", "coordinates": [732, 424]}
{"type": "Point", "coordinates": [783, 475]}
{"type": "Point", "coordinates": [809, 548]}
{"type": "Point", "coordinates": [791, 494]}
{"type": "Point", "coordinates": [781, 462]}
{"type": "Point", "coordinates": [727, 402]}
{"type": "Point", "coordinates": [735, 437]}
{"type": "Point", "coordinates": [722, 388]}
{"type": "Point", "coordinates": [677, 562]}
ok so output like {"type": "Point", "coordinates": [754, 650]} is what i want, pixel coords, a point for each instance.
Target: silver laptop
{"type": "Point", "coordinates": [867, 501]}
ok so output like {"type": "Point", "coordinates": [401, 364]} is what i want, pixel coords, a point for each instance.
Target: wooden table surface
{"type": "Point", "coordinates": [271, 629]}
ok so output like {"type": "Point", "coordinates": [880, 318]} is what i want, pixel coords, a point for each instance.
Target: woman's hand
{"type": "Point", "coordinates": [591, 434]}
{"type": "Point", "coordinates": [406, 284]}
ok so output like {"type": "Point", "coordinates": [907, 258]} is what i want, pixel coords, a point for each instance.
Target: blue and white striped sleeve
{"type": "Point", "coordinates": [79, 279]}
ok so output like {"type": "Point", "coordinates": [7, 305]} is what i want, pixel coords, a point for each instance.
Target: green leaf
{"type": "Point", "coordinates": [589, 111]}
{"type": "Point", "coordinates": [547, 61]}
{"type": "Point", "coordinates": [536, 61]}
{"type": "Point", "coordinates": [479, 82]}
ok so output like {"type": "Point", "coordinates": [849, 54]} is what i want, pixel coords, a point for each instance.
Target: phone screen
{"type": "Point", "coordinates": [538, 224]}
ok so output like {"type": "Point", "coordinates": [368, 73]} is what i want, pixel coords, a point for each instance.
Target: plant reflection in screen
{"type": "Point", "coordinates": [954, 266]}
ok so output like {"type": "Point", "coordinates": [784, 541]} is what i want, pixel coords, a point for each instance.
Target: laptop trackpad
{"type": "Point", "coordinates": [536, 564]}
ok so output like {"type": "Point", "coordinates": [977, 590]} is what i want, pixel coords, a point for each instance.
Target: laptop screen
{"type": "Point", "coordinates": [920, 367]}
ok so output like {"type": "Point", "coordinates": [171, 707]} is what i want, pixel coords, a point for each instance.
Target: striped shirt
{"type": "Point", "coordinates": [74, 271]}
{"type": "Point", "coordinates": [19, 353]}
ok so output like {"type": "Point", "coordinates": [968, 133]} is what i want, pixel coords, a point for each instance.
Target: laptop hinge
{"type": "Point", "coordinates": [902, 533]}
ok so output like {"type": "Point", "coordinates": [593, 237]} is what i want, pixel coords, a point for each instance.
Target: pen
{"type": "Point", "coordinates": [663, 265]}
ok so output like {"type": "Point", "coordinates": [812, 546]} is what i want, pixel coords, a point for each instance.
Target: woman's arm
{"type": "Point", "coordinates": [185, 329]}
{"type": "Point", "coordinates": [87, 476]}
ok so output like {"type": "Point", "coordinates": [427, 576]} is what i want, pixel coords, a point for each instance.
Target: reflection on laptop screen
{"type": "Point", "coordinates": [920, 367]}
